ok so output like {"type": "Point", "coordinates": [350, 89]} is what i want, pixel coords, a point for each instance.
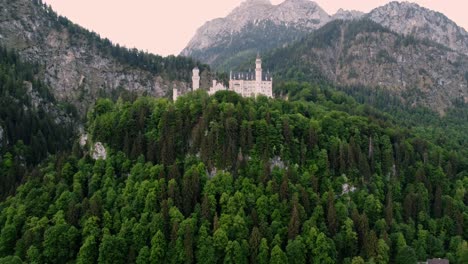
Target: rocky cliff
{"type": "Point", "coordinates": [79, 65]}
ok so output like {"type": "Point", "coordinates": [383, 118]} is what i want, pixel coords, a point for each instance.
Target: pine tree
{"type": "Point", "coordinates": [158, 248]}
{"type": "Point", "coordinates": [278, 256]}
{"type": "Point", "coordinates": [331, 214]}
{"type": "Point", "coordinates": [263, 256]}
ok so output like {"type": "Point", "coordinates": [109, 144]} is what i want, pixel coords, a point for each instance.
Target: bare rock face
{"type": "Point", "coordinates": [75, 69]}
{"type": "Point", "coordinates": [347, 188]}
{"type": "Point", "coordinates": [99, 151]}
{"type": "Point", "coordinates": [411, 19]}
{"type": "Point", "coordinates": [83, 140]}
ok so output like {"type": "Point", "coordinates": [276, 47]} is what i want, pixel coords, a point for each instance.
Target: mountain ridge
{"type": "Point", "coordinates": [309, 16]}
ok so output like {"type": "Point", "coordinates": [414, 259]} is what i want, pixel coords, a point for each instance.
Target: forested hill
{"type": "Point", "coordinates": [225, 179]}
{"type": "Point", "coordinates": [78, 64]}
{"type": "Point", "coordinates": [32, 123]}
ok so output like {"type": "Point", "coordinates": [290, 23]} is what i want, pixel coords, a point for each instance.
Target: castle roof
{"type": "Point", "coordinates": [250, 76]}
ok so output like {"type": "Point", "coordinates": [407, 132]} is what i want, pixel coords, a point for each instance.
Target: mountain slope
{"type": "Point", "coordinates": [79, 65]}
{"type": "Point", "coordinates": [256, 25]}
{"type": "Point", "coordinates": [364, 53]}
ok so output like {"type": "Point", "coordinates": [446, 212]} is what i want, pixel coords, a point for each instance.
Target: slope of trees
{"type": "Point", "coordinates": [225, 179]}
{"type": "Point", "coordinates": [29, 129]}
{"type": "Point", "coordinates": [379, 103]}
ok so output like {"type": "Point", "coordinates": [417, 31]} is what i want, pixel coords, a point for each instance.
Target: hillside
{"type": "Point", "coordinates": [33, 124]}
{"type": "Point", "coordinates": [363, 53]}
{"type": "Point", "coordinates": [235, 180]}
{"type": "Point", "coordinates": [78, 65]}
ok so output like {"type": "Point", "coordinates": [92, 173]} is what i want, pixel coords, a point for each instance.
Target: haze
{"type": "Point", "coordinates": [165, 27]}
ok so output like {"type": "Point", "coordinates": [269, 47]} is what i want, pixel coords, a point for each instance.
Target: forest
{"type": "Point", "coordinates": [320, 178]}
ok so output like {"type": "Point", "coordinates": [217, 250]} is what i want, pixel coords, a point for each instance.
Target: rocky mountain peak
{"type": "Point", "coordinates": [299, 3]}
{"type": "Point", "coordinates": [255, 2]}
{"type": "Point", "coordinates": [300, 13]}
{"type": "Point", "coordinates": [303, 14]}
{"type": "Point", "coordinates": [411, 19]}
{"type": "Point", "coordinates": [347, 14]}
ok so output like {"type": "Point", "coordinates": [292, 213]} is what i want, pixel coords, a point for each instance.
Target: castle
{"type": "Point", "coordinates": [252, 84]}
{"type": "Point", "coordinates": [247, 84]}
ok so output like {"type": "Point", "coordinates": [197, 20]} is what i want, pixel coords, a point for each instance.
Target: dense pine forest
{"type": "Point", "coordinates": [225, 179]}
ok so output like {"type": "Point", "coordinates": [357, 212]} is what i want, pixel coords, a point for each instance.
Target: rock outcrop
{"type": "Point", "coordinates": [99, 151]}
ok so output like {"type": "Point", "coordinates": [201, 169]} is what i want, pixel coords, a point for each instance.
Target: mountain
{"type": "Point", "coordinates": [257, 26]}
{"type": "Point", "coordinates": [411, 19]}
{"type": "Point", "coordinates": [229, 40]}
{"type": "Point", "coordinates": [363, 53]}
{"type": "Point", "coordinates": [79, 65]}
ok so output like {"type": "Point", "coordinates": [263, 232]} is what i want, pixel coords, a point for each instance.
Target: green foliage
{"type": "Point", "coordinates": [406, 255]}
{"type": "Point", "coordinates": [278, 256]}
{"type": "Point", "coordinates": [112, 249]}
{"type": "Point", "coordinates": [11, 260]}
{"type": "Point", "coordinates": [225, 179]}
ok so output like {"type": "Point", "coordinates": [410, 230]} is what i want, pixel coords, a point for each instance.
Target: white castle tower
{"type": "Point", "coordinates": [175, 94]}
{"type": "Point", "coordinates": [258, 74]}
{"type": "Point", "coordinates": [195, 79]}
{"type": "Point", "coordinates": [250, 83]}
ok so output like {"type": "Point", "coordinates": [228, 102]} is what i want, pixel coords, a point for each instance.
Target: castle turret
{"type": "Point", "coordinates": [175, 94]}
{"type": "Point", "coordinates": [258, 74]}
{"type": "Point", "coordinates": [195, 79]}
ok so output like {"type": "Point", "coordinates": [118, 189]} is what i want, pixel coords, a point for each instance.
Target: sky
{"type": "Point", "coordinates": [165, 27]}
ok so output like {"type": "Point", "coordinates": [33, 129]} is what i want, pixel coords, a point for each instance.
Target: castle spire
{"type": "Point", "coordinates": [195, 79]}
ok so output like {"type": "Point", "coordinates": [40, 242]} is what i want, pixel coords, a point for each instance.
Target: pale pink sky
{"type": "Point", "coordinates": [165, 26]}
